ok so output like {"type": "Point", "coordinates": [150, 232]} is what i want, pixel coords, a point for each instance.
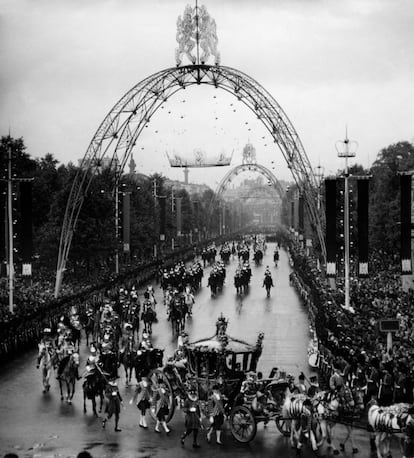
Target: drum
{"type": "Point", "coordinates": [313, 360]}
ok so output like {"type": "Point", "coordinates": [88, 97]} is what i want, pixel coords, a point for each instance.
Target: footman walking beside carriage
{"type": "Point", "coordinates": [113, 404]}
{"type": "Point", "coordinates": [142, 398]}
{"type": "Point", "coordinates": [192, 417]}
{"type": "Point", "coordinates": [216, 412]}
{"type": "Point", "coordinates": [161, 409]}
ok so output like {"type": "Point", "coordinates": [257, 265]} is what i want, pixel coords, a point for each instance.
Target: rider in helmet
{"type": "Point", "coordinates": [127, 336]}
{"type": "Point", "coordinates": [67, 350]}
{"type": "Point", "coordinates": [46, 342]}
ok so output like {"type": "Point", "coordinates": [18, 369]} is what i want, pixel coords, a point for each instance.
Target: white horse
{"type": "Point", "coordinates": [386, 422]}
{"type": "Point", "coordinates": [46, 359]}
{"type": "Point", "coordinates": [298, 409]}
{"type": "Point", "coordinates": [189, 300]}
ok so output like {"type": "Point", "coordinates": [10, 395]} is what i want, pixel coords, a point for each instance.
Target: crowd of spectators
{"type": "Point", "coordinates": [353, 335]}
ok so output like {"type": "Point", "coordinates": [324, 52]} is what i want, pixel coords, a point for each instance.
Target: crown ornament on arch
{"type": "Point", "coordinates": [196, 36]}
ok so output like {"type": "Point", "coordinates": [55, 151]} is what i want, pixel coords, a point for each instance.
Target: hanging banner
{"type": "Point", "coordinates": [330, 237]}
{"type": "Point", "coordinates": [178, 201]}
{"type": "Point", "coordinates": [195, 213]}
{"type": "Point", "coordinates": [301, 217]}
{"type": "Point", "coordinates": [3, 227]}
{"type": "Point", "coordinates": [406, 265]}
{"type": "Point", "coordinates": [292, 214]}
{"type": "Point", "coordinates": [162, 203]}
{"type": "Point", "coordinates": [126, 222]}
{"type": "Point", "coordinates": [26, 233]}
{"type": "Point", "coordinates": [363, 248]}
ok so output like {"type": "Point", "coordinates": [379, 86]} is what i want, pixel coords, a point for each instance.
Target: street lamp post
{"type": "Point", "coordinates": [10, 226]}
{"type": "Point", "coordinates": [345, 150]}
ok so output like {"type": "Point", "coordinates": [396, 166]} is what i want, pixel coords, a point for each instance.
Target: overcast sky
{"type": "Point", "coordinates": [328, 63]}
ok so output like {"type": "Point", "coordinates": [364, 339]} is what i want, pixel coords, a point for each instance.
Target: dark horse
{"type": "Point", "coordinates": [258, 256]}
{"type": "Point", "coordinates": [127, 358]}
{"type": "Point", "coordinates": [88, 322]}
{"type": "Point", "coordinates": [148, 316]}
{"type": "Point", "coordinates": [75, 335]}
{"type": "Point", "coordinates": [94, 385]}
{"type": "Point", "coordinates": [109, 363]}
{"type": "Point", "coordinates": [69, 375]}
{"type": "Point", "coordinates": [178, 314]}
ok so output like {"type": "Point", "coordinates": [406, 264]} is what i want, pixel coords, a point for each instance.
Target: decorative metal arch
{"type": "Point", "coordinates": [261, 192]}
{"type": "Point", "coordinates": [245, 168]}
{"type": "Point", "coordinates": [118, 133]}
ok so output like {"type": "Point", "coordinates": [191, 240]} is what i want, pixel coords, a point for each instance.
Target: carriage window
{"type": "Point", "coordinates": [235, 362]}
{"type": "Point", "coordinates": [246, 361]}
{"type": "Point", "coordinates": [212, 364]}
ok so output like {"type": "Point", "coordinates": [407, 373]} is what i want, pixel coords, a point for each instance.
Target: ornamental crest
{"type": "Point", "coordinates": [196, 36]}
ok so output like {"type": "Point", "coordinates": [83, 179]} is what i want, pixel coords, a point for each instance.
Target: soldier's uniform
{"type": "Point", "coordinates": [113, 405]}
{"type": "Point", "coordinates": [216, 414]}
{"type": "Point", "coordinates": [142, 399]}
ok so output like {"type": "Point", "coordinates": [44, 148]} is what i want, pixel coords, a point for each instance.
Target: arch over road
{"type": "Point", "coordinates": [245, 168]}
{"type": "Point", "coordinates": [119, 131]}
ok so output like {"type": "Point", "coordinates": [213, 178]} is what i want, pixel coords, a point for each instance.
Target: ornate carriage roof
{"type": "Point", "coordinates": [221, 342]}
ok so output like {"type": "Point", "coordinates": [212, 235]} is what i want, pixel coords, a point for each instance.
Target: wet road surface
{"type": "Point", "coordinates": [33, 424]}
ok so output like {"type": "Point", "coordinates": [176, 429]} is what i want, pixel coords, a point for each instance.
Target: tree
{"type": "Point", "coordinates": [385, 195]}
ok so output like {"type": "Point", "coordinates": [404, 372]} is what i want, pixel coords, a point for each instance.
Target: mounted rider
{"type": "Point", "coordinates": [92, 363]}
{"type": "Point", "coordinates": [46, 344]}
{"type": "Point", "coordinates": [276, 256]}
{"type": "Point", "coordinates": [65, 352]}
{"type": "Point", "coordinates": [127, 338]}
{"type": "Point", "coordinates": [189, 299]}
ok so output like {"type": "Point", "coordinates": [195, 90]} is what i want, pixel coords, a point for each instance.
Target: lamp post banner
{"type": "Point", "coordinates": [126, 222]}
{"type": "Point", "coordinates": [363, 216]}
{"type": "Point", "coordinates": [301, 214]}
{"type": "Point", "coordinates": [406, 264]}
{"type": "Point", "coordinates": [26, 233]}
{"type": "Point", "coordinates": [3, 227]}
{"type": "Point", "coordinates": [330, 213]}
{"type": "Point", "coordinates": [162, 202]}
{"type": "Point", "coordinates": [178, 201]}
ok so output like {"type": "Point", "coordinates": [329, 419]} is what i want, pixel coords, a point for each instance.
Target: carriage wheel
{"type": "Point", "coordinates": [242, 424]}
{"type": "Point", "coordinates": [153, 377]}
{"type": "Point", "coordinates": [283, 425]}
